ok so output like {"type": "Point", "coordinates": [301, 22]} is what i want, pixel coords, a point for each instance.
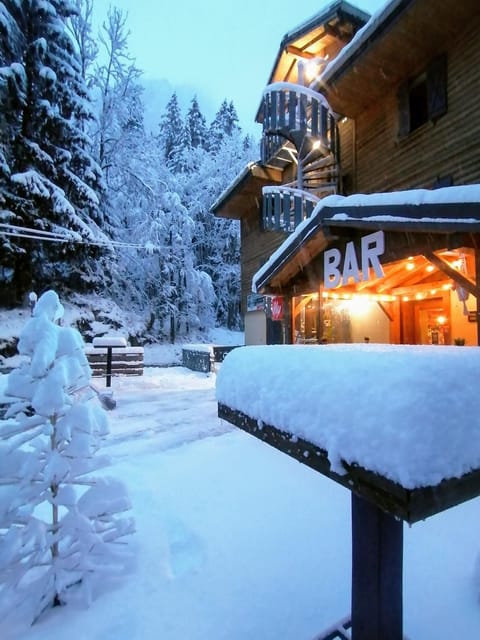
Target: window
{"type": "Point", "coordinates": [423, 98]}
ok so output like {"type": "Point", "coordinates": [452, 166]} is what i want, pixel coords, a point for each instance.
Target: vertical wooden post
{"type": "Point", "coordinates": [109, 367]}
{"type": "Point", "coordinates": [377, 571]}
{"type": "Point", "coordinates": [477, 280]}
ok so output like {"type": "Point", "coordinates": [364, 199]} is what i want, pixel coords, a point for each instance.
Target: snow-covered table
{"type": "Point", "coordinates": [109, 343]}
{"type": "Point", "coordinates": [399, 426]}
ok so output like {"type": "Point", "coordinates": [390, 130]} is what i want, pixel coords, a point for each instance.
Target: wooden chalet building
{"type": "Point", "coordinates": [386, 107]}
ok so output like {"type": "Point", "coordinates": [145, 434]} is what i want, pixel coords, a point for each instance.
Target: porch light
{"type": "Point", "coordinates": [313, 66]}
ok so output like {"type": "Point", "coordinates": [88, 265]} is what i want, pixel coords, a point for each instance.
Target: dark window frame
{"type": "Point", "coordinates": [423, 98]}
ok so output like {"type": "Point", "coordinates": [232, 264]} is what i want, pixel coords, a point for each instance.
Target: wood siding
{"type": "Point", "coordinates": [256, 248]}
{"type": "Point", "coordinates": [450, 147]}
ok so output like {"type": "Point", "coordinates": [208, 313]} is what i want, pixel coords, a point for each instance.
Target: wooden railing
{"type": "Point", "coordinates": [284, 208]}
{"type": "Point", "coordinates": [270, 147]}
{"type": "Point", "coordinates": [293, 112]}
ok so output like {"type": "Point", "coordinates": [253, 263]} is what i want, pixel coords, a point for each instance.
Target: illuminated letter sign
{"type": "Point", "coordinates": [372, 247]}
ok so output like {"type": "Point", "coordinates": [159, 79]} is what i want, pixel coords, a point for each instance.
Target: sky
{"type": "Point", "coordinates": [215, 49]}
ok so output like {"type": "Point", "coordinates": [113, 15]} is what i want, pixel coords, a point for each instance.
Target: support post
{"type": "Point", "coordinates": [377, 572]}
{"type": "Point", "coordinates": [109, 367]}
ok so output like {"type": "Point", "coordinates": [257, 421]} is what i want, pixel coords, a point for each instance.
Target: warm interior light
{"type": "Point", "coordinates": [430, 268]}
{"type": "Point", "coordinates": [441, 320]}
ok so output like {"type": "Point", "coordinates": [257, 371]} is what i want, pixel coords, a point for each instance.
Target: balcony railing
{"type": "Point", "coordinates": [294, 112]}
{"type": "Point", "coordinates": [284, 208]}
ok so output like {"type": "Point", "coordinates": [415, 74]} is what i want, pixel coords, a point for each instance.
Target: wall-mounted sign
{"type": "Point", "coordinates": [255, 302]}
{"type": "Point", "coordinates": [276, 307]}
{"type": "Point", "coordinates": [339, 272]}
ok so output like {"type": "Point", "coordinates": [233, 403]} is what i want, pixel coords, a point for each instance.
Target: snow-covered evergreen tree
{"type": "Point", "coordinates": [61, 528]}
{"type": "Point", "coordinates": [171, 127]}
{"type": "Point", "coordinates": [52, 182]}
{"type": "Point", "coordinates": [224, 124]}
{"type": "Point", "coordinates": [196, 124]}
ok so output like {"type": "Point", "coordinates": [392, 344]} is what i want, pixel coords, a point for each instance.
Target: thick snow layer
{"type": "Point", "coordinates": [409, 413]}
{"type": "Point", "coordinates": [109, 341]}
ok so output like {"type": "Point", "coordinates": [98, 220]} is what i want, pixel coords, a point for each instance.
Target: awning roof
{"type": "Point", "coordinates": [446, 211]}
{"type": "Point", "coordinates": [242, 193]}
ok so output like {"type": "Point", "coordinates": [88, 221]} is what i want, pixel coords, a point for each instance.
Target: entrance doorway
{"type": "Point", "coordinates": [426, 321]}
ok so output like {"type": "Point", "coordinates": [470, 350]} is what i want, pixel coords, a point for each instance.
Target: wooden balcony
{"type": "Point", "coordinates": [284, 207]}
{"type": "Point", "coordinates": [297, 113]}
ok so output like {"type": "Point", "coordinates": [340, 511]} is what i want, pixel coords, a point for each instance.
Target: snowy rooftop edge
{"type": "Point", "coordinates": [236, 181]}
{"type": "Point", "coordinates": [362, 35]}
{"type": "Point", "coordinates": [462, 194]}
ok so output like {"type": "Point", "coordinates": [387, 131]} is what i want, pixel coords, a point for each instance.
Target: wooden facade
{"type": "Point", "coordinates": [404, 97]}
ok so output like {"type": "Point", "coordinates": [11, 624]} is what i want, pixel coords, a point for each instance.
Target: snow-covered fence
{"type": "Point", "coordinates": [202, 357]}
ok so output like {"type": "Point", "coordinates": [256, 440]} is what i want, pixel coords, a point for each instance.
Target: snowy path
{"type": "Point", "coordinates": [236, 541]}
{"type": "Point", "coordinates": [168, 417]}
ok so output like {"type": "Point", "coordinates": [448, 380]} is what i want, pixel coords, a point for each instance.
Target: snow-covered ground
{"type": "Point", "coordinates": [237, 541]}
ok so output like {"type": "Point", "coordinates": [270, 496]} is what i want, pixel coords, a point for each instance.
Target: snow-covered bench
{"type": "Point", "coordinates": [111, 356]}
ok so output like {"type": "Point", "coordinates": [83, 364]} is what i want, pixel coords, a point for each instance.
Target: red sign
{"type": "Point", "coordinates": [277, 308]}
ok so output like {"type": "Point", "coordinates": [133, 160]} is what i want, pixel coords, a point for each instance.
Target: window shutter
{"type": "Point", "coordinates": [437, 87]}
{"type": "Point", "coordinates": [403, 110]}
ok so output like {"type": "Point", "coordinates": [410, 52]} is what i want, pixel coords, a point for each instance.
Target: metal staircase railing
{"type": "Point", "coordinates": [296, 112]}
{"type": "Point", "coordinates": [284, 207]}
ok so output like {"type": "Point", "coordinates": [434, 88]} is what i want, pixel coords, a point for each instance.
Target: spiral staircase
{"type": "Point", "coordinates": [300, 130]}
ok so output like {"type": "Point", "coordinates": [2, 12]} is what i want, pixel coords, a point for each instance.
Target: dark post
{"type": "Point", "coordinates": [377, 561]}
{"type": "Point", "coordinates": [109, 367]}
{"type": "Point", "coordinates": [477, 282]}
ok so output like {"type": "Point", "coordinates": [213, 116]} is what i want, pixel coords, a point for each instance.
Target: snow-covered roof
{"type": "Point", "coordinates": [226, 193]}
{"type": "Point", "coordinates": [450, 208]}
{"type": "Point", "coordinates": [398, 411]}
{"type": "Point", "coordinates": [373, 26]}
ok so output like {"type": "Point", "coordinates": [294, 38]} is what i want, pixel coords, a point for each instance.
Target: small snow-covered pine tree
{"type": "Point", "coordinates": [61, 528]}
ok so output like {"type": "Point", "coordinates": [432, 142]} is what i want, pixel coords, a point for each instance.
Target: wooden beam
{"type": "Point", "coordinates": [452, 273]}
{"type": "Point", "coordinates": [295, 51]}
{"type": "Point", "coordinates": [410, 505]}
{"type": "Point", "coordinates": [389, 315]}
